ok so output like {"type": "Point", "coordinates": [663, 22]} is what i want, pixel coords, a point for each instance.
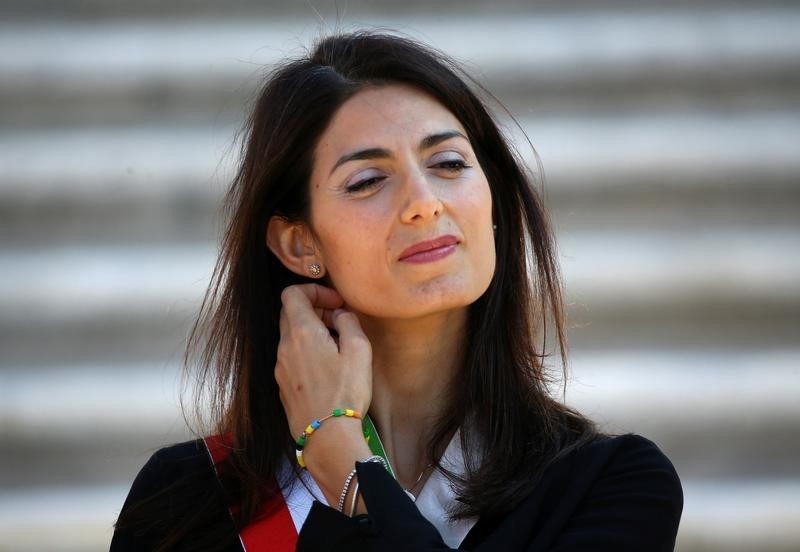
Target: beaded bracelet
{"type": "Point", "coordinates": [314, 425]}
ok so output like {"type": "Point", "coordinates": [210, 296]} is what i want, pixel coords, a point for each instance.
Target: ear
{"type": "Point", "coordinates": [293, 243]}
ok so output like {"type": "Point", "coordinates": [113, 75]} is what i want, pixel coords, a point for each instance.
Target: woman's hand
{"type": "Point", "coordinates": [314, 372]}
{"type": "Point", "coordinates": [317, 373]}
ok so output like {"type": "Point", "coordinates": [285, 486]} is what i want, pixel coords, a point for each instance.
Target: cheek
{"type": "Point", "coordinates": [350, 244]}
{"type": "Point", "coordinates": [478, 202]}
{"type": "Point", "coordinates": [481, 210]}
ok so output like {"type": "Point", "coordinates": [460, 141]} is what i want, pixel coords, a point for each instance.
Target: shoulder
{"type": "Point", "coordinates": [627, 461]}
{"type": "Point", "coordinates": [180, 453]}
{"type": "Point", "coordinates": [625, 483]}
{"type": "Point", "coordinates": [635, 460]}
{"type": "Point", "coordinates": [176, 495]}
{"type": "Point", "coordinates": [171, 464]}
{"type": "Point", "coordinates": [616, 494]}
{"type": "Point", "coordinates": [621, 451]}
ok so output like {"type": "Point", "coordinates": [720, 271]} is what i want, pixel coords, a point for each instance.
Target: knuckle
{"type": "Point", "coordinates": [346, 316]}
{"type": "Point", "coordinates": [359, 342]}
{"type": "Point", "coordinates": [287, 294]}
{"type": "Point", "coordinates": [304, 333]}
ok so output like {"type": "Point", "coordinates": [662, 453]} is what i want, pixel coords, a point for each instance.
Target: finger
{"type": "Point", "coordinates": [305, 305]}
{"type": "Point", "coordinates": [315, 295]}
{"type": "Point", "coordinates": [322, 314]}
{"type": "Point", "coordinates": [327, 317]}
{"type": "Point", "coordinates": [283, 322]}
{"type": "Point", "coordinates": [352, 339]}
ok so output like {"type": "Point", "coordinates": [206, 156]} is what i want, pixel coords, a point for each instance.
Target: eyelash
{"type": "Point", "coordinates": [363, 184]}
{"type": "Point", "coordinates": [452, 165]}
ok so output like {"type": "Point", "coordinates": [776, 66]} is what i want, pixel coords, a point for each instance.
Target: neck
{"type": "Point", "coordinates": [414, 363]}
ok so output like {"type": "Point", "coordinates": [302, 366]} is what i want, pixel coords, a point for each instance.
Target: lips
{"type": "Point", "coordinates": [421, 250]}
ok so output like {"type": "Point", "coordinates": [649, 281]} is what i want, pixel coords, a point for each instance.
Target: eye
{"type": "Point", "coordinates": [363, 182]}
{"type": "Point", "coordinates": [454, 165]}
{"type": "Point", "coordinates": [450, 162]}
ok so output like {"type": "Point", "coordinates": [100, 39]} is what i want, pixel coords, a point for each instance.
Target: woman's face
{"type": "Point", "coordinates": [400, 208]}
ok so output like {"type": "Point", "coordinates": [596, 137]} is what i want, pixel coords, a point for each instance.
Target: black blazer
{"type": "Point", "coordinates": [615, 494]}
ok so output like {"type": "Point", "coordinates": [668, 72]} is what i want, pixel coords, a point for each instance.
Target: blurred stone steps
{"type": "Point", "coordinates": [735, 516]}
{"type": "Point", "coordinates": [738, 515]}
{"type": "Point", "coordinates": [163, 183]}
{"type": "Point", "coordinates": [681, 400]}
{"type": "Point", "coordinates": [332, 10]}
{"type": "Point", "coordinates": [132, 70]}
{"type": "Point", "coordinates": [713, 410]}
{"type": "Point", "coordinates": [724, 287]}
{"type": "Point", "coordinates": [669, 141]}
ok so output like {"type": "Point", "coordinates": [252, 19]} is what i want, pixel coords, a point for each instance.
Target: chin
{"type": "Point", "coordinates": [433, 301]}
{"type": "Point", "coordinates": [437, 295]}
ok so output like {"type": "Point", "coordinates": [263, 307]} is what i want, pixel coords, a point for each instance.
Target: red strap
{"type": "Point", "coordinates": [273, 527]}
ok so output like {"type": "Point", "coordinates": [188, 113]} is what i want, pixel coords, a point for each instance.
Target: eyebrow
{"type": "Point", "coordinates": [382, 153]}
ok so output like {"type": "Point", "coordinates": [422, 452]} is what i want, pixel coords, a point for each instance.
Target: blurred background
{"type": "Point", "coordinates": [669, 133]}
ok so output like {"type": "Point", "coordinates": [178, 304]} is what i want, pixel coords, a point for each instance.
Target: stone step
{"type": "Point", "coordinates": [605, 268]}
{"type": "Point", "coordinates": [719, 516]}
{"type": "Point", "coordinates": [156, 162]}
{"type": "Point", "coordinates": [113, 416]}
{"type": "Point", "coordinates": [733, 286]}
{"type": "Point", "coordinates": [102, 421]}
{"type": "Point", "coordinates": [82, 303]}
{"type": "Point", "coordinates": [740, 515]}
{"type": "Point", "coordinates": [332, 13]}
{"type": "Point", "coordinates": [718, 413]}
{"type": "Point", "coordinates": [133, 70]}
{"type": "Point", "coordinates": [164, 182]}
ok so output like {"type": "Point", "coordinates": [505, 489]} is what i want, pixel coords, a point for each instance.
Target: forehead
{"type": "Point", "coordinates": [383, 116]}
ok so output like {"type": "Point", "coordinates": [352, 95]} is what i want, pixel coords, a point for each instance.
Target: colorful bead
{"type": "Point", "coordinates": [303, 439]}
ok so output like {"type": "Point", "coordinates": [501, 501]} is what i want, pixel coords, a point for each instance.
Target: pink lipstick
{"type": "Point", "coordinates": [429, 251]}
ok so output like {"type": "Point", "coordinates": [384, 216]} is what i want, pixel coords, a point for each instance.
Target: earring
{"type": "Point", "coordinates": [315, 269]}
{"type": "Point", "coordinates": [494, 227]}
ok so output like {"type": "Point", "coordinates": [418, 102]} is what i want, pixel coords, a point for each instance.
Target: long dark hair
{"type": "Point", "coordinates": [501, 400]}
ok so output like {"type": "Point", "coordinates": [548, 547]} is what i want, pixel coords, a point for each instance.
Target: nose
{"type": "Point", "coordinates": [422, 200]}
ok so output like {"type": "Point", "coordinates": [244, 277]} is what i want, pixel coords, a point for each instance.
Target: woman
{"type": "Point", "coordinates": [375, 337]}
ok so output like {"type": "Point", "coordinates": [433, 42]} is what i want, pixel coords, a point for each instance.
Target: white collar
{"type": "Point", "coordinates": [437, 498]}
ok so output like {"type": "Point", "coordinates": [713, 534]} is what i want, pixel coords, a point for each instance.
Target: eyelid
{"type": "Point", "coordinates": [449, 155]}
{"type": "Point", "coordinates": [354, 181]}
{"type": "Point", "coordinates": [360, 174]}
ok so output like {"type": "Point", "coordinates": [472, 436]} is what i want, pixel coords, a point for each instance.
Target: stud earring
{"type": "Point", "coordinates": [494, 227]}
{"type": "Point", "coordinates": [315, 269]}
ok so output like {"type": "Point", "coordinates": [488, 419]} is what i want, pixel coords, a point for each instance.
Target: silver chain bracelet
{"type": "Point", "coordinates": [379, 459]}
{"type": "Point", "coordinates": [346, 488]}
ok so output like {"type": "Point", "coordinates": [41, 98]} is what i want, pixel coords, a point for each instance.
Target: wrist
{"type": "Point", "coordinates": [332, 454]}
{"type": "Point", "coordinates": [302, 441]}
